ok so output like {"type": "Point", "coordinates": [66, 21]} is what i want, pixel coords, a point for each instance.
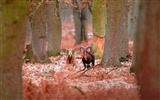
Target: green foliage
{"type": "Point", "coordinates": [26, 55]}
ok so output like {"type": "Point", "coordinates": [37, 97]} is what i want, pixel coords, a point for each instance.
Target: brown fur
{"type": "Point", "coordinates": [70, 60]}
{"type": "Point", "coordinates": [86, 57]}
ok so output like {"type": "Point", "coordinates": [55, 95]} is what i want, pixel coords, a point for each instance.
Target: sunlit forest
{"type": "Point", "coordinates": [80, 50]}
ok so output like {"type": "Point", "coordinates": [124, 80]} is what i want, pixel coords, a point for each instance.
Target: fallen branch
{"type": "Point", "coordinates": [79, 90]}
{"type": "Point", "coordinates": [112, 70]}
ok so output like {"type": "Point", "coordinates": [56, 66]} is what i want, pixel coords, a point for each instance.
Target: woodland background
{"type": "Point", "coordinates": [123, 34]}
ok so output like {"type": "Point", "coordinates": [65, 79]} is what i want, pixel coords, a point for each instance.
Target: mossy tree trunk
{"type": "Point", "coordinates": [80, 14]}
{"type": "Point", "coordinates": [53, 27]}
{"type": "Point", "coordinates": [147, 49]}
{"type": "Point", "coordinates": [116, 38]}
{"type": "Point", "coordinates": [38, 23]}
{"type": "Point", "coordinates": [12, 37]}
{"type": "Point", "coordinates": [99, 26]}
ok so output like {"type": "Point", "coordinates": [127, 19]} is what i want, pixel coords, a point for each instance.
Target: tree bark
{"type": "Point", "coordinates": [133, 31]}
{"type": "Point", "coordinates": [122, 29]}
{"type": "Point", "coordinates": [99, 24]}
{"type": "Point", "coordinates": [65, 11]}
{"type": "Point", "coordinates": [99, 17]}
{"type": "Point", "coordinates": [116, 39]}
{"type": "Point", "coordinates": [84, 22]}
{"type": "Point", "coordinates": [147, 52]}
{"type": "Point", "coordinates": [80, 14]}
{"type": "Point", "coordinates": [53, 28]}
{"type": "Point", "coordinates": [38, 24]}
{"type": "Point", "coordinates": [12, 39]}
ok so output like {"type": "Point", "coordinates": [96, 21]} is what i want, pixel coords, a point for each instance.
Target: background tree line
{"type": "Point", "coordinates": [46, 26]}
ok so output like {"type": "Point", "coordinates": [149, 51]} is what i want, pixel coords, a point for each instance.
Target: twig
{"type": "Point", "coordinates": [112, 70]}
{"type": "Point", "coordinates": [86, 70]}
{"type": "Point", "coordinates": [79, 90]}
{"type": "Point", "coordinates": [35, 10]}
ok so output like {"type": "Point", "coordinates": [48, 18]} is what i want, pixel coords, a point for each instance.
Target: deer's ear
{"type": "Point", "coordinates": [73, 51]}
{"type": "Point", "coordinates": [66, 49]}
{"type": "Point", "coordinates": [81, 49]}
{"type": "Point", "coordinates": [89, 49]}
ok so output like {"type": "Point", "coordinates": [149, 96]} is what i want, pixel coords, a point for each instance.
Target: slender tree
{"type": "Point", "coordinates": [99, 24]}
{"type": "Point", "coordinates": [131, 18]}
{"type": "Point", "coordinates": [147, 49]}
{"type": "Point", "coordinates": [53, 27]}
{"type": "Point", "coordinates": [65, 10]}
{"type": "Point", "coordinates": [133, 30]}
{"type": "Point", "coordinates": [13, 28]}
{"type": "Point", "coordinates": [80, 14]}
{"type": "Point", "coordinates": [84, 21]}
{"type": "Point", "coordinates": [28, 57]}
{"type": "Point", "coordinates": [116, 38]}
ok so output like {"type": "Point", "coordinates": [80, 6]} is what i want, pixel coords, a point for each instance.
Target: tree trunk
{"type": "Point", "coordinates": [84, 22]}
{"type": "Point", "coordinates": [39, 32]}
{"type": "Point", "coordinates": [53, 28]}
{"type": "Point", "coordinates": [12, 39]}
{"type": "Point", "coordinates": [28, 36]}
{"type": "Point", "coordinates": [131, 19]}
{"type": "Point", "coordinates": [77, 24]}
{"type": "Point", "coordinates": [99, 17]}
{"type": "Point", "coordinates": [133, 31]}
{"type": "Point", "coordinates": [65, 11]}
{"type": "Point", "coordinates": [123, 29]}
{"type": "Point", "coordinates": [116, 39]}
{"type": "Point", "coordinates": [147, 52]}
{"type": "Point", "coordinates": [80, 14]}
{"type": "Point", "coordinates": [99, 24]}
{"type": "Point", "coordinates": [29, 57]}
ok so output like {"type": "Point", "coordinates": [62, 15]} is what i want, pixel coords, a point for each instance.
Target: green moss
{"type": "Point", "coordinates": [26, 55]}
{"type": "Point", "coordinates": [96, 50]}
{"type": "Point", "coordinates": [13, 16]}
{"type": "Point", "coordinates": [99, 17]}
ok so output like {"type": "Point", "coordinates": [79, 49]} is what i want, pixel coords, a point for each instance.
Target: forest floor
{"type": "Point", "coordinates": [61, 81]}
